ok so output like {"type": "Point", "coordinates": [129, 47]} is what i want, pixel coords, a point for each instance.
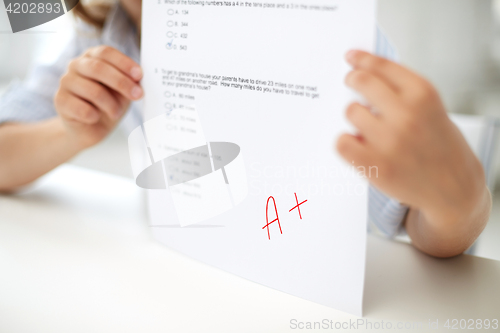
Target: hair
{"type": "Point", "coordinates": [92, 12]}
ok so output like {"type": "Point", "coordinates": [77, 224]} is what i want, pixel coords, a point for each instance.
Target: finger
{"type": "Point", "coordinates": [122, 101]}
{"type": "Point", "coordinates": [377, 92]}
{"type": "Point", "coordinates": [353, 150]}
{"type": "Point", "coordinates": [368, 125]}
{"type": "Point", "coordinates": [95, 93]}
{"type": "Point", "coordinates": [119, 60]}
{"type": "Point", "coordinates": [108, 75]}
{"type": "Point", "coordinates": [74, 108]}
{"type": "Point", "coordinates": [397, 76]}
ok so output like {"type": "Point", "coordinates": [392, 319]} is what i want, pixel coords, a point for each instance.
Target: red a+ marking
{"type": "Point", "coordinates": [298, 205]}
{"type": "Point", "coordinates": [267, 218]}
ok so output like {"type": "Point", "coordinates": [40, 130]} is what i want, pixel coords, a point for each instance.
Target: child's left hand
{"type": "Point", "coordinates": [422, 158]}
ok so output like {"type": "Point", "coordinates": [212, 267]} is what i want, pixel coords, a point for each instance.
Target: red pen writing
{"type": "Point", "coordinates": [276, 212]}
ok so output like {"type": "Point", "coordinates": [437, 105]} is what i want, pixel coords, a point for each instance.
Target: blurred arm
{"type": "Point", "coordinates": [29, 150]}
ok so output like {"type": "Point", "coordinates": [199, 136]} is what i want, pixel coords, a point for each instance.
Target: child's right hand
{"type": "Point", "coordinates": [95, 93]}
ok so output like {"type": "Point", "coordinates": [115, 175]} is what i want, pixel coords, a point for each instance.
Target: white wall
{"type": "Point", "coordinates": [449, 42]}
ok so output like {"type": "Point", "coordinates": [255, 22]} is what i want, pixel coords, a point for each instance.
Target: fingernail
{"type": "Point", "coordinates": [136, 92]}
{"type": "Point", "coordinates": [136, 73]}
{"type": "Point", "coordinates": [351, 55]}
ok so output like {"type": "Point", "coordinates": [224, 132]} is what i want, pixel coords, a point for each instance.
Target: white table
{"type": "Point", "coordinates": [76, 255]}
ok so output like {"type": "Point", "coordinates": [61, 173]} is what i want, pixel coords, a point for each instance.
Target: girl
{"type": "Point", "coordinates": [422, 158]}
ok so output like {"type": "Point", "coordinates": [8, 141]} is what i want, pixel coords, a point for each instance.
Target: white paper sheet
{"type": "Point", "coordinates": [265, 78]}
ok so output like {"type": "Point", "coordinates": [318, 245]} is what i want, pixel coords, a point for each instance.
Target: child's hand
{"type": "Point", "coordinates": [95, 92]}
{"type": "Point", "coordinates": [421, 156]}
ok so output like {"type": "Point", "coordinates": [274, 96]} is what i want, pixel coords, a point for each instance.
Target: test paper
{"type": "Point", "coordinates": [244, 101]}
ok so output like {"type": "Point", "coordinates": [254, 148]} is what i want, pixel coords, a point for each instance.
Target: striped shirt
{"type": "Point", "coordinates": [32, 100]}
